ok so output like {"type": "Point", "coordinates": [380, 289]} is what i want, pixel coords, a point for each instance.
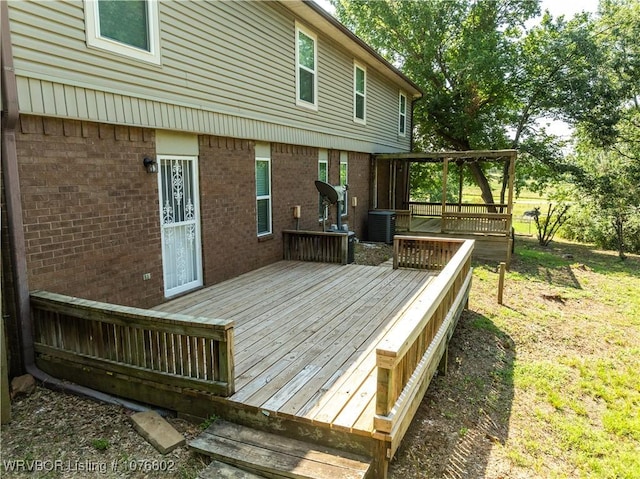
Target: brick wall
{"type": "Point", "coordinates": [228, 205]}
{"type": "Point", "coordinates": [359, 179]}
{"type": "Point", "coordinates": [90, 210]}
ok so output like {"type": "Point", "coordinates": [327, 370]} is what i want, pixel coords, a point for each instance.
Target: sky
{"type": "Point", "coordinates": [555, 7]}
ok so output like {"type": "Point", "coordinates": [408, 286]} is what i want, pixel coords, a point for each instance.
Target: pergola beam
{"type": "Point", "coordinates": [439, 156]}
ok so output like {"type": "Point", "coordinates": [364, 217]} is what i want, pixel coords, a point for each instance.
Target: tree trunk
{"type": "Point", "coordinates": [483, 183]}
{"type": "Point", "coordinates": [618, 224]}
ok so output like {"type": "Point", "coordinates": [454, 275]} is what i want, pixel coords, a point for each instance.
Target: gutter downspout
{"type": "Point", "coordinates": [17, 244]}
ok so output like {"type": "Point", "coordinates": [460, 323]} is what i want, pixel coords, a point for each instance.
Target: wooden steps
{"type": "Point", "coordinates": [272, 456]}
{"type": "Point", "coordinates": [220, 470]}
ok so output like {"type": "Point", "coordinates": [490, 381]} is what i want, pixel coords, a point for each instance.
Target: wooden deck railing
{"type": "Point", "coordinates": [141, 345]}
{"type": "Point", "coordinates": [403, 220]}
{"type": "Point", "coordinates": [324, 247]}
{"type": "Point", "coordinates": [488, 223]}
{"type": "Point", "coordinates": [423, 252]}
{"type": "Point", "coordinates": [421, 208]}
{"type": "Point", "coordinates": [409, 353]}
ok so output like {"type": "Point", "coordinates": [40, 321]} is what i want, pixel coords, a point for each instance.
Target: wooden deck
{"type": "Point", "coordinates": [328, 354]}
{"type": "Point", "coordinates": [306, 335]}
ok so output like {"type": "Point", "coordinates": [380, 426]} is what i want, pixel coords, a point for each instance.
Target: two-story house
{"type": "Point", "coordinates": [151, 148]}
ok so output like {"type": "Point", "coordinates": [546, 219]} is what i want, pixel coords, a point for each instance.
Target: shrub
{"type": "Point", "coordinates": [590, 225]}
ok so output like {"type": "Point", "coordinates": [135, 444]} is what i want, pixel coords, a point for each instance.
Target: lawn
{"type": "Point", "coordinates": [546, 385]}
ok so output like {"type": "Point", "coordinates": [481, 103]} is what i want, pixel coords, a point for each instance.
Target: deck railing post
{"type": "Point", "coordinates": [227, 363]}
{"type": "Point", "coordinates": [385, 391]}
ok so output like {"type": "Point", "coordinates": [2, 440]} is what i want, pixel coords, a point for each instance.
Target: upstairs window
{"type": "Point", "coordinates": [263, 188]}
{"type": "Point", "coordinates": [344, 179]}
{"type": "Point", "coordinates": [359, 94]}
{"type": "Point", "coordinates": [127, 28]}
{"type": "Point", "coordinates": [402, 115]}
{"type": "Point", "coordinates": [306, 68]}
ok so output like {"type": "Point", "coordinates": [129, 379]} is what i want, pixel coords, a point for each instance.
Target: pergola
{"type": "Point", "coordinates": [488, 221]}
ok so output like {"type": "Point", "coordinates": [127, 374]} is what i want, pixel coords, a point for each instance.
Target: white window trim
{"type": "Point", "coordinates": [92, 26]}
{"type": "Point", "coordinates": [323, 159]}
{"type": "Point", "coordinates": [402, 114]}
{"type": "Point", "coordinates": [344, 160]}
{"type": "Point", "coordinates": [314, 37]}
{"type": "Point", "coordinates": [265, 197]}
{"type": "Point", "coordinates": [357, 66]}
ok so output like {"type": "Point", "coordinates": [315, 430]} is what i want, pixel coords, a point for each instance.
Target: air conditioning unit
{"type": "Point", "coordinates": [382, 226]}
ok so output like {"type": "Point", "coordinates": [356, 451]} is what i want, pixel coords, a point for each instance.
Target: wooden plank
{"type": "Point", "coordinates": [333, 401]}
{"type": "Point", "coordinates": [395, 344]}
{"type": "Point", "coordinates": [301, 345]}
{"type": "Point", "coordinates": [368, 321]}
{"type": "Point", "coordinates": [271, 291]}
{"type": "Point", "coordinates": [130, 370]}
{"type": "Point", "coordinates": [267, 333]}
{"type": "Point", "coordinates": [220, 290]}
{"type": "Point", "coordinates": [428, 364]}
{"type": "Point", "coordinates": [220, 470]}
{"type": "Point", "coordinates": [273, 454]}
{"type": "Point", "coordinates": [126, 316]}
{"type": "Point", "coordinates": [335, 356]}
{"type": "Point", "coordinates": [358, 402]}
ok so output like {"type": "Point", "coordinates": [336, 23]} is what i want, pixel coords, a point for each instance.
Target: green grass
{"type": "Point", "coordinates": [575, 322]}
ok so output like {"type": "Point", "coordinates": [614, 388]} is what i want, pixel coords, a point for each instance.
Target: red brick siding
{"type": "Point", "coordinates": [227, 207]}
{"type": "Point", "coordinates": [90, 210]}
{"type": "Point", "coordinates": [359, 179]}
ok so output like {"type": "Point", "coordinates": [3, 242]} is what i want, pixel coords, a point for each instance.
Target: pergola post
{"type": "Point", "coordinates": [445, 173]}
{"type": "Point", "coordinates": [512, 174]}
{"type": "Point", "coordinates": [460, 164]}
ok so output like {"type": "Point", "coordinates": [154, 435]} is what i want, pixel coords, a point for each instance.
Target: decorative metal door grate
{"type": "Point", "coordinates": [180, 220]}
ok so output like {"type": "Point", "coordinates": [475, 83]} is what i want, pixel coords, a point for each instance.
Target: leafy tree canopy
{"type": "Point", "coordinates": [489, 79]}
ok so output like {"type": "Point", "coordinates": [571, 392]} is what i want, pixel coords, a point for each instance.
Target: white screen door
{"type": "Point", "coordinates": [180, 220]}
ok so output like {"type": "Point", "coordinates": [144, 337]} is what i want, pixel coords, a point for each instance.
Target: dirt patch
{"type": "Point", "coordinates": [372, 253]}
{"type": "Point", "coordinates": [58, 435]}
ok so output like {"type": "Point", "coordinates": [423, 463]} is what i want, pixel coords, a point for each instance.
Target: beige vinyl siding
{"type": "Point", "coordinates": [228, 68]}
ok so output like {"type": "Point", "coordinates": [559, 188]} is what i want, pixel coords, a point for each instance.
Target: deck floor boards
{"type": "Point", "coordinates": [306, 334]}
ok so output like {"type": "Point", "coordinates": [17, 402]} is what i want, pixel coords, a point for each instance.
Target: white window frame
{"type": "Point", "coordinates": [323, 159]}
{"type": "Point", "coordinates": [260, 156]}
{"type": "Point", "coordinates": [402, 115]}
{"type": "Point", "coordinates": [314, 37]}
{"type": "Point", "coordinates": [357, 66]}
{"type": "Point", "coordinates": [344, 160]}
{"type": "Point", "coordinates": [94, 39]}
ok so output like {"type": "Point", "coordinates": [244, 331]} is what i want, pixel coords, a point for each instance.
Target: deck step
{"type": "Point", "coordinates": [220, 470]}
{"type": "Point", "coordinates": [275, 456]}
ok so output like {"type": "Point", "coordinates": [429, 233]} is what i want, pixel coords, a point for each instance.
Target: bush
{"type": "Point", "coordinates": [589, 225]}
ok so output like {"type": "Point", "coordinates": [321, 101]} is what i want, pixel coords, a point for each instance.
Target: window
{"type": "Point", "coordinates": [402, 115]}
{"type": "Point", "coordinates": [128, 28]}
{"type": "Point", "coordinates": [263, 188]}
{"type": "Point", "coordinates": [323, 175]}
{"type": "Point", "coordinates": [359, 94]}
{"type": "Point", "coordinates": [306, 68]}
{"type": "Point", "coordinates": [344, 179]}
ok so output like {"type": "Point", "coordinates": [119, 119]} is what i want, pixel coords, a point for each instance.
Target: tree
{"type": "Point", "coordinates": [488, 80]}
{"type": "Point", "coordinates": [606, 166]}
